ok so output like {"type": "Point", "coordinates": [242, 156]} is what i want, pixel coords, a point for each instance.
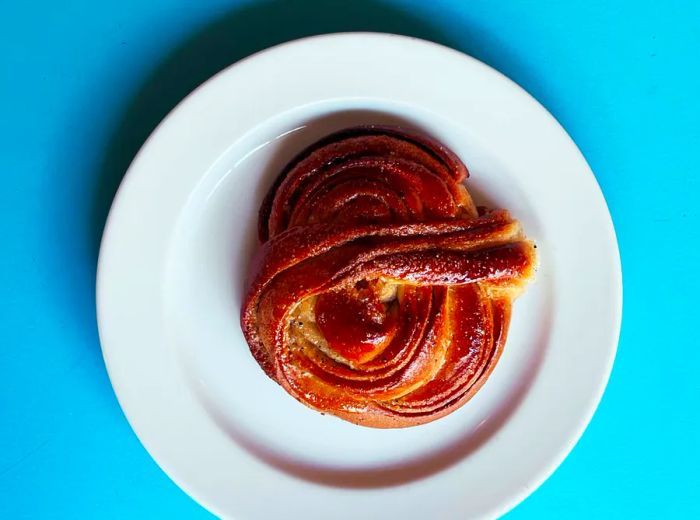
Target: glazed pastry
{"type": "Point", "coordinates": [381, 294]}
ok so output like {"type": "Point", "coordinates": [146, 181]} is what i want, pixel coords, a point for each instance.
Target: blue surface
{"type": "Point", "coordinates": [83, 83]}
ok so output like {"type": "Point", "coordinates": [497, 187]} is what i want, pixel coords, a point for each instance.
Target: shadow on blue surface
{"type": "Point", "coordinates": [237, 35]}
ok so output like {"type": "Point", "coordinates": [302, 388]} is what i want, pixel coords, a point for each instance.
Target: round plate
{"type": "Point", "coordinates": [181, 233]}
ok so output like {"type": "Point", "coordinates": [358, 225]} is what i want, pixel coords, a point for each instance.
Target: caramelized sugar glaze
{"type": "Point", "coordinates": [381, 294]}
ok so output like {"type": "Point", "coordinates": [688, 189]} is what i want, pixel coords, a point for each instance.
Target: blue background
{"type": "Point", "coordinates": [83, 83]}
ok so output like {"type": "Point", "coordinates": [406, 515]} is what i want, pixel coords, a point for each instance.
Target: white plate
{"type": "Point", "coordinates": [182, 230]}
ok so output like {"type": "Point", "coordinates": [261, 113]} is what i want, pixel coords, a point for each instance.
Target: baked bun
{"type": "Point", "coordinates": [381, 294]}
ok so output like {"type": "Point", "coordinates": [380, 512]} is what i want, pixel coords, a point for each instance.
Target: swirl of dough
{"type": "Point", "coordinates": [381, 294]}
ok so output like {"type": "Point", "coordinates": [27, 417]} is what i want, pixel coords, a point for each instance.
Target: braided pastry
{"type": "Point", "coordinates": [381, 294]}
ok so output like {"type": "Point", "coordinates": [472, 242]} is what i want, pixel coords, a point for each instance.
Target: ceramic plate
{"type": "Point", "coordinates": [177, 247]}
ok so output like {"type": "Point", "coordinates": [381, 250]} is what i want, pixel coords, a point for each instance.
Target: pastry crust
{"type": "Point", "coordinates": [381, 294]}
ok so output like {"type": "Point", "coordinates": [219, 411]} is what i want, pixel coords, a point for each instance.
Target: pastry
{"type": "Point", "coordinates": [381, 294]}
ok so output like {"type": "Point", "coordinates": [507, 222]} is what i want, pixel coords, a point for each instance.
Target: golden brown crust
{"type": "Point", "coordinates": [379, 294]}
